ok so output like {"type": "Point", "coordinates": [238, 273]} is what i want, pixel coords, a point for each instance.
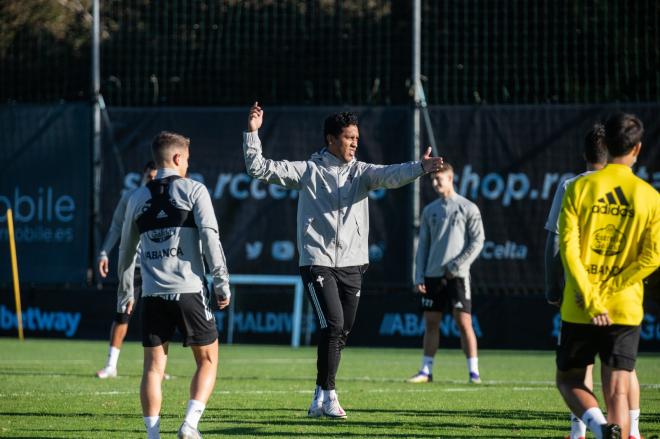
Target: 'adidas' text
{"type": "Point", "coordinates": [613, 209]}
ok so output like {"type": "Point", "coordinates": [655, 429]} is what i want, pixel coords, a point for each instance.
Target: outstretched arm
{"type": "Point", "coordinates": [283, 173]}
{"type": "Point", "coordinates": [394, 176]}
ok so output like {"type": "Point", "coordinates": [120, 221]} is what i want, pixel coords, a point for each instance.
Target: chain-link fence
{"type": "Point", "coordinates": [299, 52]}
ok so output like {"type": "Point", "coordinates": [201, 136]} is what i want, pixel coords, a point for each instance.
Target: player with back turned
{"type": "Point", "coordinates": [609, 237]}
{"type": "Point", "coordinates": [595, 157]}
{"type": "Point", "coordinates": [173, 220]}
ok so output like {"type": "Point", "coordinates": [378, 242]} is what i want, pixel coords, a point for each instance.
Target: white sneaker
{"type": "Point", "coordinates": [315, 409]}
{"type": "Point", "coordinates": [420, 377]}
{"type": "Point", "coordinates": [107, 372]}
{"type": "Point", "coordinates": [474, 378]}
{"type": "Point", "coordinates": [332, 409]}
{"type": "Point", "coordinates": [187, 432]}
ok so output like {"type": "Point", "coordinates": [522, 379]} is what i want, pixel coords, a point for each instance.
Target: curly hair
{"type": "Point", "coordinates": [335, 123]}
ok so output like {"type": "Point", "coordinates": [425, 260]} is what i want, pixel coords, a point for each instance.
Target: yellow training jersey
{"type": "Point", "coordinates": [609, 232]}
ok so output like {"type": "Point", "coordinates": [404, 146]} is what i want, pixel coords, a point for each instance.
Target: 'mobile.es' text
{"type": "Point", "coordinates": [37, 214]}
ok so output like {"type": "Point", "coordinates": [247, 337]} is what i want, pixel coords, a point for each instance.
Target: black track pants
{"type": "Point", "coordinates": [334, 294]}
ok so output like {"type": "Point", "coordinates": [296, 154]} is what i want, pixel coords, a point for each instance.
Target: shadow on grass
{"type": "Point", "coordinates": [76, 432]}
{"type": "Point", "coordinates": [58, 373]}
{"type": "Point", "coordinates": [411, 423]}
{"type": "Point", "coordinates": [437, 423]}
{"type": "Point", "coordinates": [490, 414]}
{"type": "Point", "coordinates": [105, 415]}
{"type": "Point", "coordinates": [292, 422]}
{"type": "Point", "coordinates": [253, 432]}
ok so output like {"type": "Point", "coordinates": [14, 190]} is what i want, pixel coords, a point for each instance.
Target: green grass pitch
{"type": "Point", "coordinates": [48, 390]}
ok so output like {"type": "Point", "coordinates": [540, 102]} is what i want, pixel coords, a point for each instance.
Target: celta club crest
{"type": "Point", "coordinates": [608, 241]}
{"type": "Point", "coordinates": [160, 235]}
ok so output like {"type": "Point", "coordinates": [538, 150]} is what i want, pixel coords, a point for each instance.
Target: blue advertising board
{"type": "Point", "coordinates": [45, 180]}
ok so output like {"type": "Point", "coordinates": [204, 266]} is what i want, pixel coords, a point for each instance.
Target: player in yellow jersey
{"type": "Point", "coordinates": [609, 230]}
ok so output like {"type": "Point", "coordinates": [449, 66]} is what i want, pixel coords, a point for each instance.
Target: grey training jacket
{"type": "Point", "coordinates": [171, 255]}
{"type": "Point", "coordinates": [114, 232]}
{"type": "Point", "coordinates": [451, 236]}
{"type": "Point", "coordinates": [333, 202]}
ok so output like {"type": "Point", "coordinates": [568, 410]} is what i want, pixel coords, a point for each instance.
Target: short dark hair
{"type": "Point", "coordinates": [149, 166]}
{"type": "Point", "coordinates": [622, 132]}
{"type": "Point", "coordinates": [335, 123]}
{"type": "Point", "coordinates": [595, 151]}
{"type": "Point", "coordinates": [164, 142]}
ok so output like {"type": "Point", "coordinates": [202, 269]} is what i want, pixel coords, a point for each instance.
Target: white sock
{"type": "Point", "coordinates": [594, 418]}
{"type": "Point", "coordinates": [330, 394]}
{"type": "Point", "coordinates": [153, 426]}
{"type": "Point", "coordinates": [634, 424]}
{"type": "Point", "coordinates": [194, 412]}
{"type": "Point", "coordinates": [473, 365]}
{"type": "Point", "coordinates": [578, 428]}
{"type": "Point", "coordinates": [113, 356]}
{"type": "Point", "coordinates": [427, 365]}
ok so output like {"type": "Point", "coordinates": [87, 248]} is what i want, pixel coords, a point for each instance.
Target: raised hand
{"type": "Point", "coordinates": [255, 118]}
{"type": "Point", "coordinates": [431, 164]}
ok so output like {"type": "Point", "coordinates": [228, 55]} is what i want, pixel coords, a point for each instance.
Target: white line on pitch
{"type": "Point", "coordinates": [250, 392]}
{"type": "Point", "coordinates": [34, 361]}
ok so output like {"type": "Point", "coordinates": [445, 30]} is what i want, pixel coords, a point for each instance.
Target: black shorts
{"type": "Point", "coordinates": [122, 317]}
{"type": "Point", "coordinates": [616, 345]}
{"type": "Point", "coordinates": [443, 294]}
{"type": "Point", "coordinates": [191, 313]}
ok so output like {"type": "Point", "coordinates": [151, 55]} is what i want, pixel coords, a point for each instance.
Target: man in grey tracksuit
{"type": "Point", "coordinates": [172, 219]}
{"type": "Point", "coordinates": [119, 326]}
{"type": "Point", "coordinates": [333, 230]}
{"type": "Point", "coordinates": [451, 236]}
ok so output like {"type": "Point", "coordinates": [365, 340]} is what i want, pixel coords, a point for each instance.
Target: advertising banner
{"type": "Point", "coordinates": [264, 316]}
{"type": "Point", "coordinates": [513, 322]}
{"type": "Point", "coordinates": [45, 180]}
{"type": "Point", "coordinates": [258, 221]}
{"type": "Point", "coordinates": [509, 160]}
